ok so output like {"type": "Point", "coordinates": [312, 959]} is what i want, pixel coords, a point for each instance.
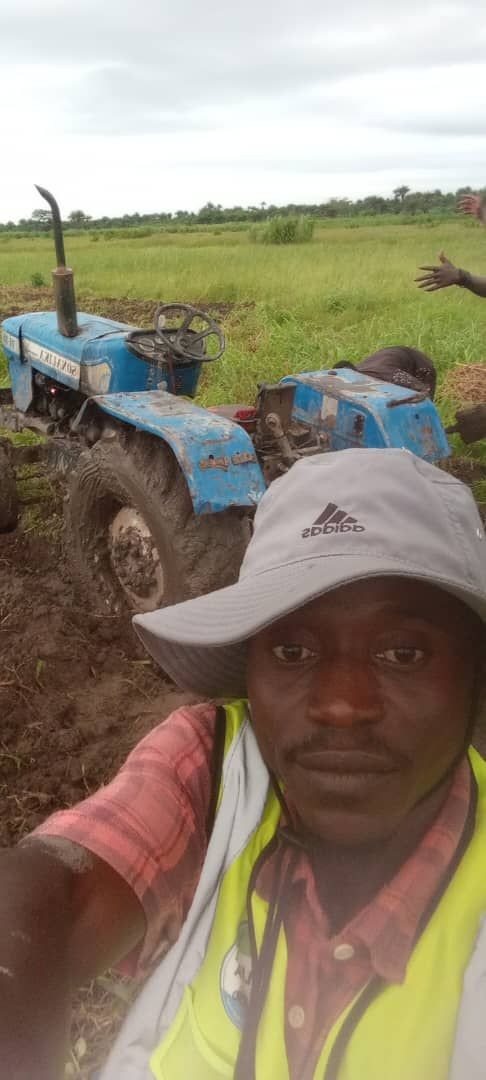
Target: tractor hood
{"type": "Point", "coordinates": [96, 361]}
{"type": "Point", "coordinates": [36, 339]}
{"type": "Point", "coordinates": [353, 409]}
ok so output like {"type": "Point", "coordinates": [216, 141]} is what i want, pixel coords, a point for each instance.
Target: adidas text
{"type": "Point", "coordinates": [326, 530]}
{"type": "Point", "coordinates": [333, 520]}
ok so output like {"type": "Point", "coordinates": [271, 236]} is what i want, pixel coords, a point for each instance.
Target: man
{"type": "Point", "coordinates": [305, 875]}
{"type": "Point", "coordinates": [441, 277]}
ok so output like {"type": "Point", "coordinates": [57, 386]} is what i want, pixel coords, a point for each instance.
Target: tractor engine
{"type": "Point", "coordinates": [316, 411]}
{"type": "Point", "coordinates": [279, 439]}
{"type": "Point", "coordinates": [54, 401]}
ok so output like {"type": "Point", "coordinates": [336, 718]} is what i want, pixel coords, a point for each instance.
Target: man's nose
{"type": "Point", "coordinates": [345, 694]}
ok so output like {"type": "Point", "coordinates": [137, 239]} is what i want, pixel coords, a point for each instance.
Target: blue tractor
{"type": "Point", "coordinates": [161, 492]}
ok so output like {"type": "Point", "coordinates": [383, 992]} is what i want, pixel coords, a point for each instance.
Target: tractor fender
{"type": "Point", "coordinates": [216, 456]}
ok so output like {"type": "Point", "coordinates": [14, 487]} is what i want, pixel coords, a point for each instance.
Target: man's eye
{"type": "Point", "coordinates": [402, 657]}
{"type": "Point", "coordinates": [292, 654]}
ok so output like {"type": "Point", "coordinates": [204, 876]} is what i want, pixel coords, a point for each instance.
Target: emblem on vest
{"type": "Point", "coordinates": [235, 978]}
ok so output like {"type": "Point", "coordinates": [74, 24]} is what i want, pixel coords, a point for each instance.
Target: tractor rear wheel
{"type": "Point", "coordinates": [9, 506]}
{"type": "Point", "coordinates": [133, 538]}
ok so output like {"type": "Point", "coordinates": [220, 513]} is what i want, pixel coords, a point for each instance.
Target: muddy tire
{"type": "Point", "coordinates": [133, 539]}
{"type": "Point", "coordinates": [9, 505]}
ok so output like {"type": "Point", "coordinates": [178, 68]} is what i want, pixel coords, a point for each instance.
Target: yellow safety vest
{"type": "Point", "coordinates": [405, 1033]}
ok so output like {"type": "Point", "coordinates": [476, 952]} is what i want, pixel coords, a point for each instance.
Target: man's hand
{"type": "Point", "coordinates": [439, 277]}
{"type": "Point", "coordinates": [473, 205]}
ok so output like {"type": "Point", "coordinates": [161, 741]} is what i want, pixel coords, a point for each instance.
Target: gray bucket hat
{"type": "Point", "coordinates": [332, 519]}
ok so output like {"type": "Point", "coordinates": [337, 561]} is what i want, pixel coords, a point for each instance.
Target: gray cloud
{"type": "Point", "coordinates": [153, 66]}
{"type": "Point", "coordinates": [281, 93]}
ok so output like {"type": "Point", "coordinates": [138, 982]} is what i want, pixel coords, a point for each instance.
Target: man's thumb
{"type": "Point", "coordinates": [443, 257]}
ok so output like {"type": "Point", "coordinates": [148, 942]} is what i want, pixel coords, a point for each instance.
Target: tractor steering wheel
{"type": "Point", "coordinates": [173, 326]}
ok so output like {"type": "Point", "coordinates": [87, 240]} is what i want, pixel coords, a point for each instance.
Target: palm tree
{"type": "Point", "coordinates": [400, 192]}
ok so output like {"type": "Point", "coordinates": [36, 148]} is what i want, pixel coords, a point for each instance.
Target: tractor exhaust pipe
{"type": "Point", "coordinates": [62, 276]}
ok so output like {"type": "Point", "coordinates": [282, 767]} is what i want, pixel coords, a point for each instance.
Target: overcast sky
{"type": "Point", "coordinates": [124, 105]}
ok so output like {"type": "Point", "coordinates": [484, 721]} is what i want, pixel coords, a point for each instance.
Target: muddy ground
{"type": "Point", "coordinates": [76, 690]}
{"type": "Point", "coordinates": [76, 693]}
{"type": "Point", "coordinates": [15, 299]}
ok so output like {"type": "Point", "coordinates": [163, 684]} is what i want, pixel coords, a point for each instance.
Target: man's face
{"type": "Point", "coordinates": [361, 703]}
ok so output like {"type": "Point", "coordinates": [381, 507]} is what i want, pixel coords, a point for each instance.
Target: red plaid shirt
{"type": "Point", "coordinates": [149, 825]}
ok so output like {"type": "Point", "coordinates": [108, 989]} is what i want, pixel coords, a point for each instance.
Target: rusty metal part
{"type": "Point", "coordinates": [279, 439]}
{"type": "Point", "coordinates": [62, 277]}
{"type": "Point", "coordinates": [65, 301]}
{"type": "Point", "coordinates": [276, 398]}
{"type": "Point", "coordinates": [415, 400]}
{"type": "Point", "coordinates": [274, 426]}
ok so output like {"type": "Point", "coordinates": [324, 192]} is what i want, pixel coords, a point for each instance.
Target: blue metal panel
{"type": "Point", "coordinates": [20, 369]}
{"type": "Point", "coordinates": [22, 386]}
{"type": "Point", "coordinates": [216, 456]}
{"type": "Point", "coordinates": [356, 410]}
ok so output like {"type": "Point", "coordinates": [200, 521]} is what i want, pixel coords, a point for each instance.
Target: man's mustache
{"type": "Point", "coordinates": [340, 740]}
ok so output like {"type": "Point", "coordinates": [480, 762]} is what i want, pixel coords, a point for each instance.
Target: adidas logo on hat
{"type": "Point", "coordinates": [333, 520]}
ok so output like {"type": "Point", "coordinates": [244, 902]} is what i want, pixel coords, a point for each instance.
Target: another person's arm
{"type": "Point", "coordinates": [446, 274]}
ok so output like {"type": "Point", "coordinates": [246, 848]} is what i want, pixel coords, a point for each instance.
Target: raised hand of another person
{"type": "Point", "coordinates": [474, 206]}
{"type": "Point", "coordinates": [439, 277]}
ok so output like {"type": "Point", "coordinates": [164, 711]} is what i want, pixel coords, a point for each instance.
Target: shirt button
{"type": "Point", "coordinates": [296, 1017]}
{"type": "Point", "coordinates": [343, 952]}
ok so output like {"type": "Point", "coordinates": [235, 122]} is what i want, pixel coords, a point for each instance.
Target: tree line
{"type": "Point", "coordinates": [402, 201]}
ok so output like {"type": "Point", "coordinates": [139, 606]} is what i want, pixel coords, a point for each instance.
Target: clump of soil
{"type": "Point", "coordinates": [467, 383]}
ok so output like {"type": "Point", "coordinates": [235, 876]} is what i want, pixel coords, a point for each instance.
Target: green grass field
{"type": "Point", "coordinates": [345, 294]}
